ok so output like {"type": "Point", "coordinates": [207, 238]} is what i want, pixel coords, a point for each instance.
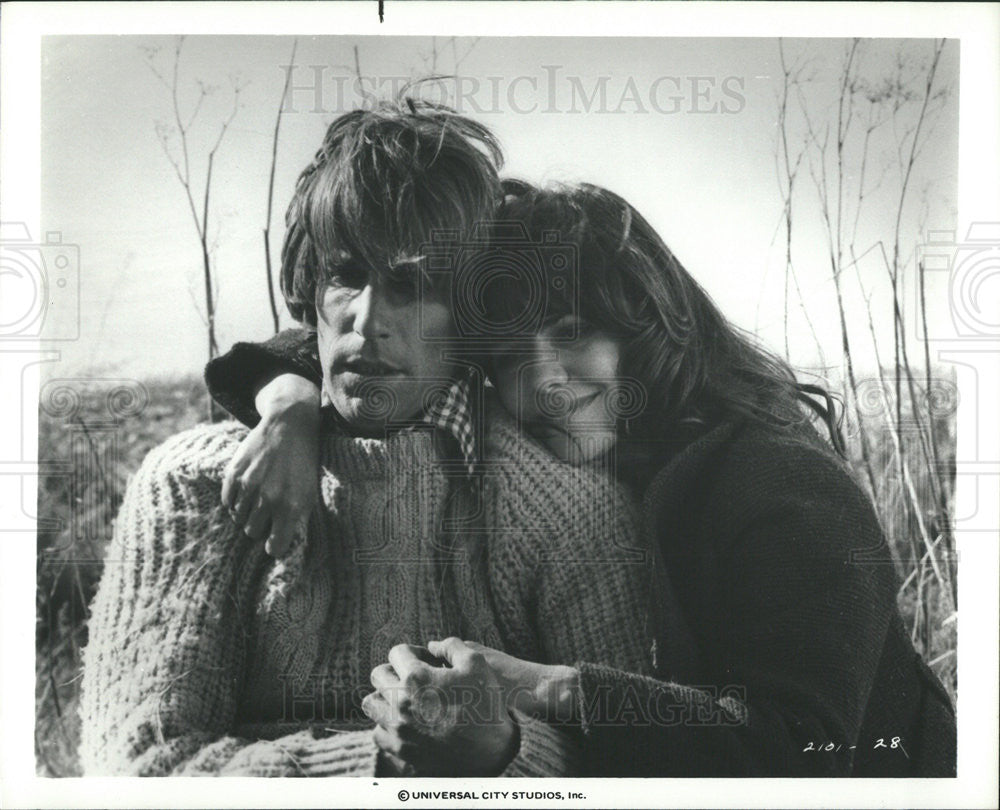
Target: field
{"type": "Point", "coordinates": [92, 438]}
{"type": "Point", "coordinates": [101, 432]}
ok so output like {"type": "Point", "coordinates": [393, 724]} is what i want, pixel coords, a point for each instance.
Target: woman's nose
{"type": "Point", "coordinates": [545, 367]}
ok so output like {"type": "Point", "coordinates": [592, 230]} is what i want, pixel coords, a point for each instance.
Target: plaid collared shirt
{"type": "Point", "coordinates": [454, 413]}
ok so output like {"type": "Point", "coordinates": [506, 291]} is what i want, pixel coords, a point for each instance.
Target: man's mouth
{"type": "Point", "coordinates": [368, 368]}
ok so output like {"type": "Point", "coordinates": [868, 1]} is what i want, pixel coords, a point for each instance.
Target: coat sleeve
{"type": "Point", "coordinates": [545, 750]}
{"type": "Point", "coordinates": [233, 378]}
{"type": "Point", "coordinates": [167, 650]}
{"type": "Point", "coordinates": [788, 621]}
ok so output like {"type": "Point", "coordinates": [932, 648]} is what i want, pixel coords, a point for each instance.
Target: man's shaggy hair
{"type": "Point", "coordinates": [384, 180]}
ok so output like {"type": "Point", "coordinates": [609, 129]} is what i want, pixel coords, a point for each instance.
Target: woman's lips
{"type": "Point", "coordinates": [559, 424]}
{"type": "Point", "coordinates": [582, 402]}
{"type": "Point", "coordinates": [558, 414]}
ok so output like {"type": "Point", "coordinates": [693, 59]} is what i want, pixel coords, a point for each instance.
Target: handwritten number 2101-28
{"type": "Point", "coordinates": [894, 742]}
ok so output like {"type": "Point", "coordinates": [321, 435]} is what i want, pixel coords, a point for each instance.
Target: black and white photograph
{"type": "Point", "coordinates": [425, 395]}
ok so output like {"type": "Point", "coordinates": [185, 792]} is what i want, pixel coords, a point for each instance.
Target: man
{"type": "Point", "coordinates": [205, 656]}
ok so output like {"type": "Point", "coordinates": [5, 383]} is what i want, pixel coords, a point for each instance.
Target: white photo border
{"type": "Point", "coordinates": [978, 29]}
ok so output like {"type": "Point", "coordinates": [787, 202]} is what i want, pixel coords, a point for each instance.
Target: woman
{"type": "Point", "coordinates": [765, 614]}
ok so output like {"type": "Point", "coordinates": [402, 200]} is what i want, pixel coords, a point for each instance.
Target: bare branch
{"type": "Point", "coordinates": [787, 185]}
{"type": "Point", "coordinates": [202, 95]}
{"type": "Point", "coordinates": [464, 56]}
{"type": "Point", "coordinates": [182, 125]}
{"type": "Point", "coordinates": [270, 189]}
{"type": "Point", "coordinates": [843, 157]}
{"type": "Point", "coordinates": [237, 89]}
{"type": "Point", "coordinates": [177, 113]}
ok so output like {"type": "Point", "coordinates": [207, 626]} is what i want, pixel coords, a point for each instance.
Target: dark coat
{"type": "Point", "coordinates": [774, 614]}
{"type": "Point", "coordinates": [776, 610]}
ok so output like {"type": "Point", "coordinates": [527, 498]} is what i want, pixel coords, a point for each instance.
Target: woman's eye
{"type": "Point", "coordinates": [570, 327]}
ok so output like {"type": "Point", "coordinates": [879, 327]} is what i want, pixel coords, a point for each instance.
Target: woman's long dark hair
{"type": "Point", "coordinates": [697, 368]}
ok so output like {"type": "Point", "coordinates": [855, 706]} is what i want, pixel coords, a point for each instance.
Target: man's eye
{"type": "Point", "coordinates": [403, 284]}
{"type": "Point", "coordinates": [354, 277]}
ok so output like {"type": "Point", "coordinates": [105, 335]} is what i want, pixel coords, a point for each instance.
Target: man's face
{"type": "Point", "coordinates": [378, 364]}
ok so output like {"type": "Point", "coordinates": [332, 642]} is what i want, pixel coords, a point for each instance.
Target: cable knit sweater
{"type": "Point", "coordinates": [206, 657]}
{"type": "Point", "coordinates": [772, 609]}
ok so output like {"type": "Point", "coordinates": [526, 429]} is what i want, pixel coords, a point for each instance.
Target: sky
{"type": "Point", "coordinates": [685, 129]}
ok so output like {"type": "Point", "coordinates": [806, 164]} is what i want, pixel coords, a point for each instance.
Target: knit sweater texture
{"type": "Point", "coordinates": [772, 609]}
{"type": "Point", "coordinates": [206, 657]}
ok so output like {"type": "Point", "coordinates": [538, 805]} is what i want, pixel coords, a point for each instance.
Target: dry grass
{"type": "Point", "coordinates": [916, 508]}
{"type": "Point", "coordinates": [69, 556]}
{"type": "Point", "coordinates": [79, 509]}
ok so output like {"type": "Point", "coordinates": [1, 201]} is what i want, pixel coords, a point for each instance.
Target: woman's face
{"type": "Point", "coordinates": [561, 389]}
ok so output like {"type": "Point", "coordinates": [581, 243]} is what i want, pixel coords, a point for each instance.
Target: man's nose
{"type": "Point", "coordinates": [368, 310]}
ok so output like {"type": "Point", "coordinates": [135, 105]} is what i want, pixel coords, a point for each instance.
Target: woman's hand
{"type": "Point", "coordinates": [271, 483]}
{"type": "Point", "coordinates": [540, 690]}
{"type": "Point", "coordinates": [448, 720]}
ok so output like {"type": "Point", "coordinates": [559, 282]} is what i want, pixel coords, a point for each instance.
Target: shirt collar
{"type": "Point", "coordinates": [453, 411]}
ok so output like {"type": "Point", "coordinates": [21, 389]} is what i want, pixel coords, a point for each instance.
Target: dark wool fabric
{"type": "Point", "coordinates": [774, 627]}
{"type": "Point", "coordinates": [776, 592]}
